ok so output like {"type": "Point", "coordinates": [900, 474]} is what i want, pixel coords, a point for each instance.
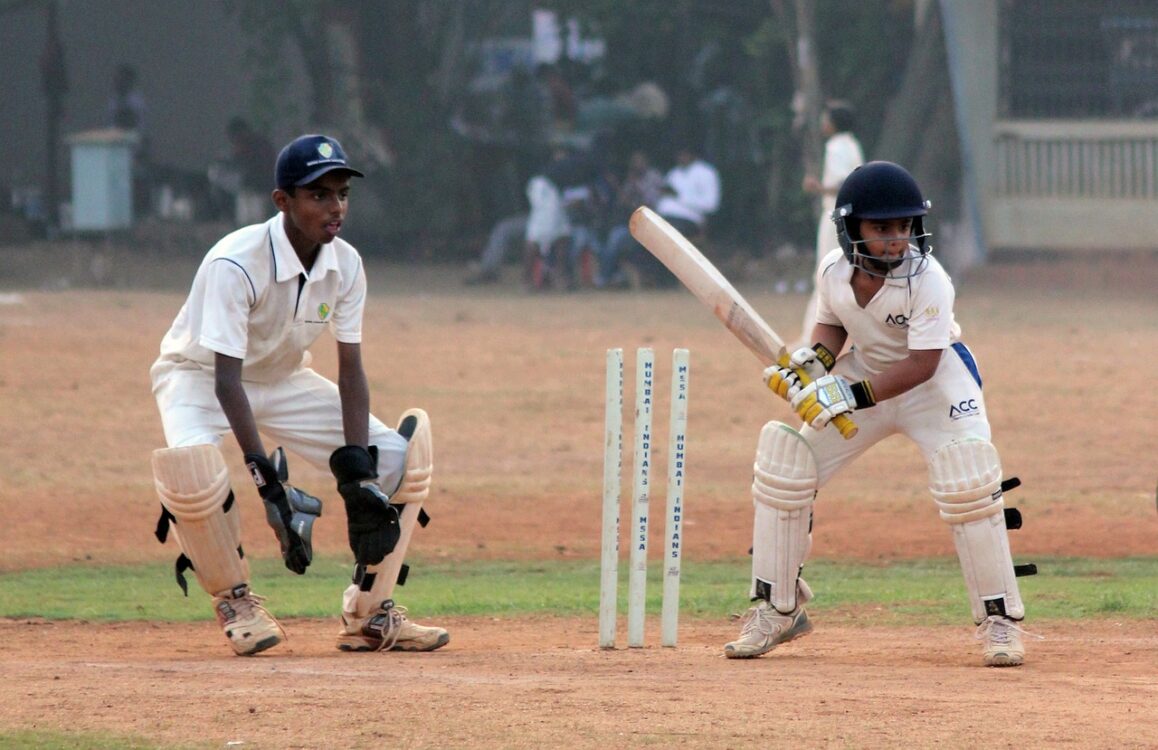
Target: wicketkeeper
{"type": "Point", "coordinates": [236, 359]}
{"type": "Point", "coordinates": [907, 372]}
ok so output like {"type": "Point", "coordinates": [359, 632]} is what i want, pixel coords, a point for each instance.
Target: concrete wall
{"type": "Point", "coordinates": [189, 57]}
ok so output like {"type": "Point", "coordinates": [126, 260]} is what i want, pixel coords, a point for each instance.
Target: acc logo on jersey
{"type": "Point", "coordinates": [323, 311]}
{"type": "Point", "coordinates": [900, 320]}
{"type": "Point", "coordinates": [967, 408]}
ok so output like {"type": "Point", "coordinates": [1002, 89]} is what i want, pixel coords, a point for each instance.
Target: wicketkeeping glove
{"type": "Point", "coordinates": [792, 372]}
{"type": "Point", "coordinates": [289, 510]}
{"type": "Point", "coordinates": [829, 396]}
{"type": "Point", "coordinates": [372, 523]}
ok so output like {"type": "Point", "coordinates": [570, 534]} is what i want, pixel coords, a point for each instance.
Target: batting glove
{"type": "Point", "coordinates": [792, 372]}
{"type": "Point", "coordinates": [830, 396]}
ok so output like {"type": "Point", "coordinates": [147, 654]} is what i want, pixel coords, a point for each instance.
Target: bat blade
{"type": "Point", "coordinates": [706, 282]}
{"type": "Point", "coordinates": [713, 289]}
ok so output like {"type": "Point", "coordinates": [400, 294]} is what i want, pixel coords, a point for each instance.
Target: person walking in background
{"type": "Point", "coordinates": [236, 360]}
{"type": "Point", "coordinates": [906, 371]}
{"type": "Point", "coordinates": [842, 154]}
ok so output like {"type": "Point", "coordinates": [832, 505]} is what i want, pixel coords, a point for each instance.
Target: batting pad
{"type": "Point", "coordinates": [965, 479]}
{"type": "Point", "coordinates": [193, 485]}
{"type": "Point", "coordinates": [375, 583]}
{"type": "Point", "coordinates": [783, 491]}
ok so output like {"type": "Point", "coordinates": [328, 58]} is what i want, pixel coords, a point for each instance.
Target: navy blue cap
{"type": "Point", "coordinates": [308, 157]}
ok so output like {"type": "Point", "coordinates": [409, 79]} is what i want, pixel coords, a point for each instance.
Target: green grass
{"type": "Point", "coordinates": [928, 592]}
{"type": "Point", "coordinates": [38, 740]}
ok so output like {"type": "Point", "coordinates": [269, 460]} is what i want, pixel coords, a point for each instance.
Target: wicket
{"type": "Point", "coordinates": [640, 497]}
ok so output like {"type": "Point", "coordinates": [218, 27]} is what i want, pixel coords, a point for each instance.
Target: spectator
{"type": "Point", "coordinates": [690, 194]}
{"type": "Point", "coordinates": [641, 186]}
{"type": "Point", "coordinates": [126, 110]}
{"type": "Point", "coordinates": [842, 154]}
{"type": "Point", "coordinates": [548, 233]}
{"type": "Point", "coordinates": [126, 106]}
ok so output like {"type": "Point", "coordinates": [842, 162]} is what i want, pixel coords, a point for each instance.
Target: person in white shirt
{"type": "Point", "coordinates": [906, 371]}
{"type": "Point", "coordinates": [842, 154]}
{"type": "Point", "coordinates": [689, 196]}
{"type": "Point", "coordinates": [236, 360]}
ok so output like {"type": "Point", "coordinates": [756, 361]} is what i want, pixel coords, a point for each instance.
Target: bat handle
{"type": "Point", "coordinates": [843, 422]}
{"type": "Point", "coordinates": [847, 427]}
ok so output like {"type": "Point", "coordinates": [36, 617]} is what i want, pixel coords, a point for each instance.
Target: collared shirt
{"type": "Point", "coordinates": [252, 299]}
{"type": "Point", "coordinates": [913, 313]}
{"type": "Point", "coordinates": [697, 192]}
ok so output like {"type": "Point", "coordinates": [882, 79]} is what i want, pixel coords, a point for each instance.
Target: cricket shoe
{"type": "Point", "coordinates": [1002, 638]}
{"type": "Point", "coordinates": [388, 629]}
{"type": "Point", "coordinates": [248, 626]}
{"type": "Point", "coordinates": [764, 629]}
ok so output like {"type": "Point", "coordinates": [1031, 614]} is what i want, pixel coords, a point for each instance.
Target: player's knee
{"type": "Point", "coordinates": [965, 479]}
{"type": "Point", "coordinates": [785, 472]}
{"type": "Point", "coordinates": [414, 486]}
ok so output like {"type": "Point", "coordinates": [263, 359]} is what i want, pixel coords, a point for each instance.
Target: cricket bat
{"type": "Point", "coordinates": [711, 288]}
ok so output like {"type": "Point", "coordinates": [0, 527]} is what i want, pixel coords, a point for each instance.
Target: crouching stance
{"type": "Point", "coordinates": [906, 372]}
{"type": "Point", "coordinates": [236, 360]}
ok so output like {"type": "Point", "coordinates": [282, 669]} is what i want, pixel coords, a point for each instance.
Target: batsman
{"type": "Point", "coordinates": [236, 360]}
{"type": "Point", "coordinates": [905, 371]}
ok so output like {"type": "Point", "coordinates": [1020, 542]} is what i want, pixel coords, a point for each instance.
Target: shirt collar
{"type": "Point", "coordinates": [286, 263]}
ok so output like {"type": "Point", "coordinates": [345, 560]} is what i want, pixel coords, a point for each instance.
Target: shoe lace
{"type": "Point", "coordinates": [244, 607]}
{"type": "Point", "coordinates": [391, 626]}
{"type": "Point", "coordinates": [758, 620]}
{"type": "Point", "coordinates": [999, 630]}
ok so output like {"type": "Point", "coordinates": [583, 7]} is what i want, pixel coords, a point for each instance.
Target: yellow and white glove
{"type": "Point", "coordinates": [830, 396]}
{"type": "Point", "coordinates": [792, 372]}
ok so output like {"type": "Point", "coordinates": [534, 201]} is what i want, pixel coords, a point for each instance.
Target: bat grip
{"type": "Point", "coordinates": [843, 422]}
{"type": "Point", "coordinates": [847, 427]}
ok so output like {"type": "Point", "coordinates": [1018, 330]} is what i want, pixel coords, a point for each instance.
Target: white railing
{"type": "Point", "coordinates": [1077, 159]}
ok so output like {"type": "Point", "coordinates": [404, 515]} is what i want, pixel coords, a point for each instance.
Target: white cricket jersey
{"type": "Point", "coordinates": [252, 299]}
{"type": "Point", "coordinates": [914, 313]}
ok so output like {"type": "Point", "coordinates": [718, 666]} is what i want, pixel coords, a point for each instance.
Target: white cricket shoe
{"type": "Point", "coordinates": [764, 629]}
{"type": "Point", "coordinates": [388, 629]}
{"type": "Point", "coordinates": [248, 626]}
{"type": "Point", "coordinates": [1002, 638]}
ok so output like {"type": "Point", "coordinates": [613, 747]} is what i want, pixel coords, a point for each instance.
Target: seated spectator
{"type": "Point", "coordinates": [690, 194]}
{"type": "Point", "coordinates": [641, 186]}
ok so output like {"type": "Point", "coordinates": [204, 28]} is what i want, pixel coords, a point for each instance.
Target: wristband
{"type": "Point", "coordinates": [863, 393]}
{"type": "Point", "coordinates": [825, 356]}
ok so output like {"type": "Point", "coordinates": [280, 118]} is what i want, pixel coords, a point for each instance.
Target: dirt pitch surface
{"type": "Point", "coordinates": [514, 385]}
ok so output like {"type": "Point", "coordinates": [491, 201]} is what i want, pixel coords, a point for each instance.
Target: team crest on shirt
{"type": "Point", "coordinates": [323, 311]}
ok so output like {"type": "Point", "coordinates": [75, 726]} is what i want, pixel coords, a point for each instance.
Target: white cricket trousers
{"type": "Point", "coordinates": [302, 413]}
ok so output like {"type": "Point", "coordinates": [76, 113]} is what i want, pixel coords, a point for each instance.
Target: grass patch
{"type": "Point", "coordinates": [929, 591]}
{"type": "Point", "coordinates": [38, 740]}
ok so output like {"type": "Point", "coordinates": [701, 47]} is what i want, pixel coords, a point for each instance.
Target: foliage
{"type": "Point", "coordinates": [724, 67]}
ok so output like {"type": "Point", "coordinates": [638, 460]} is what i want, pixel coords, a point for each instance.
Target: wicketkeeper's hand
{"type": "Point", "coordinates": [372, 523]}
{"type": "Point", "coordinates": [793, 372]}
{"type": "Point", "coordinates": [827, 397]}
{"type": "Point", "coordinates": [289, 510]}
